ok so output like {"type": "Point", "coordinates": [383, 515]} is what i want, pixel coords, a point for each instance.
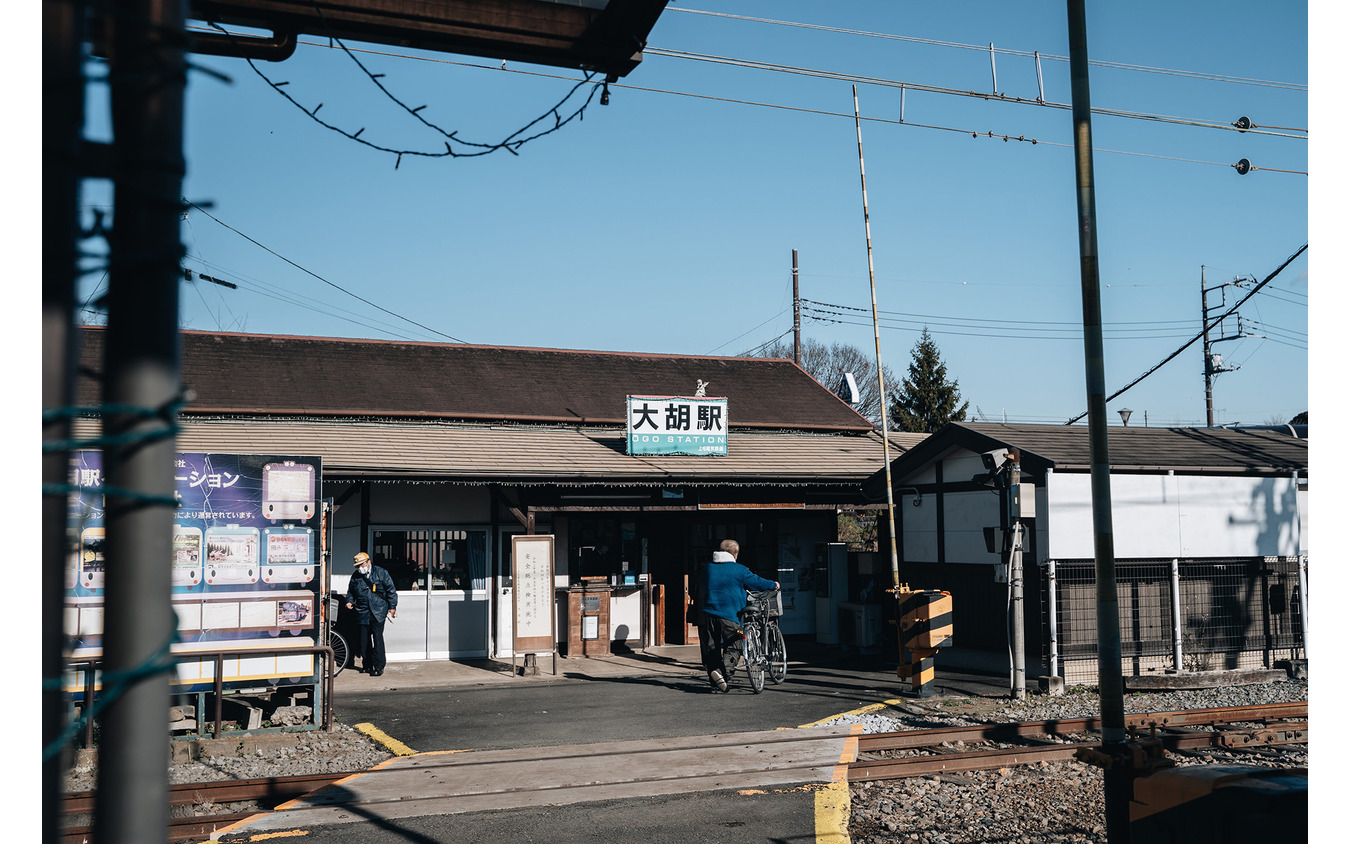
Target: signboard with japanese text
{"type": "Point", "coordinates": [532, 561]}
{"type": "Point", "coordinates": [677, 425]}
{"type": "Point", "coordinates": [245, 564]}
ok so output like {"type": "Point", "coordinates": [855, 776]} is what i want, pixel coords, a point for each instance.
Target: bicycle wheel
{"type": "Point", "coordinates": [777, 652]}
{"type": "Point", "coordinates": [754, 660]}
{"type": "Point", "coordinates": [340, 653]}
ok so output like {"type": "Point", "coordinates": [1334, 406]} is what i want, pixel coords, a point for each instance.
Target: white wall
{"type": "Point", "coordinates": [966, 515]}
{"type": "Point", "coordinates": [919, 530]}
{"type": "Point", "coordinates": [1175, 516]}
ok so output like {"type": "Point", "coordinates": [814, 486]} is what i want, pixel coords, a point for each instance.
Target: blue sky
{"type": "Point", "coordinates": [665, 221]}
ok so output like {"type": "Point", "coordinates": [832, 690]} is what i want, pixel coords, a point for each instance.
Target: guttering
{"type": "Point", "coordinates": [189, 414]}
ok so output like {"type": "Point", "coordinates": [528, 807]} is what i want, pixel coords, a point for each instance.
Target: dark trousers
{"type": "Point", "coordinates": [715, 635]}
{"type": "Point", "coordinates": [372, 645]}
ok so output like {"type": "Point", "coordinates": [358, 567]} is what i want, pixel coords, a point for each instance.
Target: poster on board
{"type": "Point", "coordinates": [533, 600]}
{"type": "Point", "coordinates": [245, 565]}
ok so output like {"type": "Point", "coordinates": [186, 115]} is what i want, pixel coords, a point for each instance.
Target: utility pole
{"type": "Point", "coordinates": [881, 381]}
{"type": "Point", "coordinates": [796, 315]}
{"type": "Point", "coordinates": [1110, 683]}
{"type": "Point", "coordinates": [1214, 364]}
{"type": "Point", "coordinates": [1015, 581]}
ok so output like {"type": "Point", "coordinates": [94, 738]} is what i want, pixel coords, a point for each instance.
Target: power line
{"type": "Point", "coordinates": [321, 278]}
{"type": "Point", "coordinates": [995, 321]}
{"type": "Point", "coordinates": [1238, 80]}
{"type": "Point", "coordinates": [819, 112]}
{"type": "Point", "coordinates": [262, 288]}
{"type": "Point", "coordinates": [756, 328]}
{"type": "Point", "coordinates": [938, 89]}
{"type": "Point", "coordinates": [1213, 323]}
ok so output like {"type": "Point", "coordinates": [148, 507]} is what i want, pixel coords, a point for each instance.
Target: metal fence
{"type": "Point", "coordinates": [1182, 615]}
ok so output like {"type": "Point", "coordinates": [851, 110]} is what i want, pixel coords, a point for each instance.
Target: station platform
{"type": "Point", "coordinates": [671, 661]}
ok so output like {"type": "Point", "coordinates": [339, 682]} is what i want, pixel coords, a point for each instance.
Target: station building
{"type": "Point", "coordinates": [435, 455]}
{"type": "Point", "coordinates": [1210, 533]}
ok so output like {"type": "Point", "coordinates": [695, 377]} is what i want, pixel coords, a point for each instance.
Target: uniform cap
{"type": "Point", "coordinates": [362, 557]}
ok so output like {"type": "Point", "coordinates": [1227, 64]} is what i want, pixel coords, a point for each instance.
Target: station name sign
{"type": "Point", "coordinates": [677, 425]}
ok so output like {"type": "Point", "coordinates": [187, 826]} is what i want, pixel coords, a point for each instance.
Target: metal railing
{"type": "Point", "coordinates": [89, 668]}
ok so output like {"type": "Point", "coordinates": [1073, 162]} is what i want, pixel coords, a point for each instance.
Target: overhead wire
{"type": "Point", "coordinates": [1213, 77]}
{"type": "Point", "coordinates": [974, 133]}
{"type": "Point", "coordinates": [1208, 326]}
{"type": "Point", "coordinates": [756, 328]}
{"type": "Point", "coordinates": [938, 89]}
{"type": "Point", "coordinates": [321, 278]}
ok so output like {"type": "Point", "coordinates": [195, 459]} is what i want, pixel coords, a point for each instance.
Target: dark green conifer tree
{"type": "Point", "coordinates": [926, 400]}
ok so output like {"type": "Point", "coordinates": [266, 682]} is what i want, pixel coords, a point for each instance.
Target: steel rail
{"type": "Point", "coordinates": [276, 789]}
{"type": "Point", "coordinates": [871, 770]}
{"type": "Point", "coordinates": [267, 792]}
{"type": "Point", "coordinates": [1068, 726]}
{"type": "Point", "coordinates": [1176, 731]}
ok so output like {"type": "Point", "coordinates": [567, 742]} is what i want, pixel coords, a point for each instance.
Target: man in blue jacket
{"type": "Point", "coordinates": [371, 593]}
{"type": "Point", "coordinates": [722, 597]}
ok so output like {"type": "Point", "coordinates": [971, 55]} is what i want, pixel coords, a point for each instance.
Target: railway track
{"type": "Point", "coordinates": [920, 753]}
{"type": "Point", "coordinates": [936, 751]}
{"type": "Point", "coordinates": [262, 794]}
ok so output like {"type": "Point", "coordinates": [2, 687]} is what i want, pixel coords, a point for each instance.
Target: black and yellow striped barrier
{"type": "Point", "coordinates": [925, 624]}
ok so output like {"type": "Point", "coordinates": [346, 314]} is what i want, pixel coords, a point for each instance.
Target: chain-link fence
{"type": "Point", "coordinates": [1185, 615]}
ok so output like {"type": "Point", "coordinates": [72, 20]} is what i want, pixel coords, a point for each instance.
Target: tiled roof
{"type": "Point", "coordinates": [537, 453]}
{"type": "Point", "coordinates": [262, 375]}
{"type": "Point", "coordinates": [1270, 450]}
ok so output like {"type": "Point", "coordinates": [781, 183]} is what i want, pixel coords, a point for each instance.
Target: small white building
{"type": "Point", "coordinates": [1210, 535]}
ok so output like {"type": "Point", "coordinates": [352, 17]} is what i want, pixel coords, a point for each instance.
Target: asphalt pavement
{"type": "Point", "coordinates": [592, 716]}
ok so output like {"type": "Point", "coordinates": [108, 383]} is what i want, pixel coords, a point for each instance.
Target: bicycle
{"type": "Point", "coordinates": [340, 652]}
{"type": "Point", "coordinates": [749, 654]}
{"type": "Point", "coordinates": [761, 613]}
{"type": "Point", "coordinates": [762, 651]}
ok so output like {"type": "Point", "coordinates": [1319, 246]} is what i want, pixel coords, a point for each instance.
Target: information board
{"type": "Point", "coordinates": [246, 567]}
{"type": "Point", "coordinates": [532, 598]}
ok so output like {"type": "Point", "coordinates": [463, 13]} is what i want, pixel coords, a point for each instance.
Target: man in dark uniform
{"type": "Point", "coordinates": [371, 593]}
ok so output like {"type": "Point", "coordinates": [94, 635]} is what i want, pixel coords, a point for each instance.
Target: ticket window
{"type": "Point", "coordinates": [458, 561]}
{"type": "Point", "coordinates": [433, 560]}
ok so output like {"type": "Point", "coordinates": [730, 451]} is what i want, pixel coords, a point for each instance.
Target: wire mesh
{"type": "Point", "coordinates": [1234, 613]}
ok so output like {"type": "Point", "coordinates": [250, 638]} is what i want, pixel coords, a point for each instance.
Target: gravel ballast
{"type": "Point", "coordinates": [1048, 802]}
{"type": "Point", "coordinates": [1054, 802]}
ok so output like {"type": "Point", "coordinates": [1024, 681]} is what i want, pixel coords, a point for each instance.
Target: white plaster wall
{"type": "Point", "coordinates": [967, 514]}
{"type": "Point", "coordinates": [1241, 517]}
{"type": "Point", "coordinates": [919, 531]}
{"type": "Point", "coordinates": [1171, 516]}
{"type": "Point", "coordinates": [1303, 519]}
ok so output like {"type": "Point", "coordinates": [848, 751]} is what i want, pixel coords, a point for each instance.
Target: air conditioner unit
{"type": "Point", "coordinates": [859, 624]}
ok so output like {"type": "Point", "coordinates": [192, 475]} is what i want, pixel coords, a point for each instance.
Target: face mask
{"type": "Point", "coordinates": [363, 569]}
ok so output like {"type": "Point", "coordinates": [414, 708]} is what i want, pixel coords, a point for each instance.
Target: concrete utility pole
{"type": "Point", "coordinates": [1109, 681]}
{"type": "Point", "coordinates": [147, 75]}
{"type": "Point", "coordinates": [796, 315]}
{"type": "Point", "coordinates": [1209, 370]}
{"type": "Point", "coordinates": [1015, 581]}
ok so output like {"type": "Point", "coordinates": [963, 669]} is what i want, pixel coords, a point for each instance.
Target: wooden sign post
{"type": "Point", "coordinates": [532, 601]}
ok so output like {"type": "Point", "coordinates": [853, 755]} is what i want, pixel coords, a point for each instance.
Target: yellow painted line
{"type": "Point", "coordinates": [395, 746]}
{"type": "Point", "coordinates": [239, 824]}
{"type": "Point", "coordinates": [864, 710]}
{"type": "Point", "coordinates": [290, 833]}
{"type": "Point", "coordinates": [832, 801]}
